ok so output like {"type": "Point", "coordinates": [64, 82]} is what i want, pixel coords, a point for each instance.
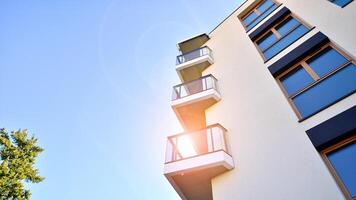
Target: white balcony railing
{"type": "Point", "coordinates": [193, 87]}
{"type": "Point", "coordinates": [192, 144]}
{"type": "Point", "coordinates": [196, 53]}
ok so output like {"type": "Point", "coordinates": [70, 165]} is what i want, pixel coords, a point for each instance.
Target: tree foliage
{"type": "Point", "coordinates": [18, 155]}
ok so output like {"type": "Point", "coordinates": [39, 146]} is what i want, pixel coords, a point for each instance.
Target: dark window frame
{"type": "Point", "coordinates": [279, 37]}
{"type": "Point", "coordinates": [324, 154]}
{"type": "Point", "coordinates": [316, 78]}
{"type": "Point", "coordinates": [258, 13]}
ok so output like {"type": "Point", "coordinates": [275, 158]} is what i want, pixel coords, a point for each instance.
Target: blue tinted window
{"type": "Point", "coordinates": [326, 61]}
{"type": "Point", "coordinates": [284, 42]}
{"type": "Point", "coordinates": [266, 41]}
{"type": "Point", "coordinates": [265, 5]}
{"type": "Point", "coordinates": [261, 17]}
{"type": "Point", "coordinates": [327, 91]}
{"type": "Point", "coordinates": [341, 3]}
{"type": "Point", "coordinates": [286, 26]}
{"type": "Point", "coordinates": [343, 161]}
{"type": "Point", "coordinates": [250, 18]}
{"type": "Point", "coordinates": [296, 80]}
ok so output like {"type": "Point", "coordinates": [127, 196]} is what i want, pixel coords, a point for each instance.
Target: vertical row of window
{"type": "Point", "coordinates": [307, 84]}
{"type": "Point", "coordinates": [315, 82]}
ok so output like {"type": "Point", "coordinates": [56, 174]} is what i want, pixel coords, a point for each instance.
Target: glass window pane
{"type": "Point", "coordinates": [209, 140]}
{"type": "Point", "coordinates": [265, 5]}
{"type": "Point", "coordinates": [286, 41]}
{"type": "Point", "coordinates": [191, 55]}
{"type": "Point", "coordinates": [326, 61]}
{"type": "Point", "coordinates": [344, 162]}
{"type": "Point", "coordinates": [341, 3]}
{"type": "Point", "coordinates": [250, 18]}
{"type": "Point", "coordinates": [175, 93]}
{"type": "Point", "coordinates": [327, 92]}
{"type": "Point", "coordinates": [261, 17]}
{"type": "Point", "coordinates": [194, 86]}
{"type": "Point", "coordinates": [287, 25]}
{"type": "Point", "coordinates": [169, 151]}
{"type": "Point", "coordinates": [266, 41]}
{"type": "Point", "coordinates": [218, 140]}
{"type": "Point", "coordinates": [200, 141]}
{"type": "Point", "coordinates": [209, 83]}
{"type": "Point", "coordinates": [296, 80]}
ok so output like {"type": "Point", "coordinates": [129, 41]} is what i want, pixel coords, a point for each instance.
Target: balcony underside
{"type": "Point", "coordinates": [193, 69]}
{"type": "Point", "coordinates": [193, 43]}
{"type": "Point", "coordinates": [190, 110]}
{"type": "Point", "coordinates": [191, 177]}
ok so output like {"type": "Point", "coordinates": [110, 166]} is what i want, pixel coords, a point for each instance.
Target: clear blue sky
{"type": "Point", "coordinates": [92, 80]}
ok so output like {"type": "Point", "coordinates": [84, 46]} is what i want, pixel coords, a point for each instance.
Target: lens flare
{"type": "Point", "coordinates": [185, 146]}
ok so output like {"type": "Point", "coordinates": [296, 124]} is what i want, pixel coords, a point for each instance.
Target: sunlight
{"type": "Point", "coordinates": [185, 146]}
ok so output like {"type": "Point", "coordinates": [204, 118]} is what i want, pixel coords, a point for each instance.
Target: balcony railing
{"type": "Point", "coordinates": [196, 53]}
{"type": "Point", "coordinates": [191, 144]}
{"type": "Point", "coordinates": [194, 86]}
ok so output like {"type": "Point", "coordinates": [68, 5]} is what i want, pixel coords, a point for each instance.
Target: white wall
{"type": "Point", "coordinates": [274, 157]}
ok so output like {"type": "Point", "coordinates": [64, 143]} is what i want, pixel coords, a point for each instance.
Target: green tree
{"type": "Point", "coordinates": [18, 155]}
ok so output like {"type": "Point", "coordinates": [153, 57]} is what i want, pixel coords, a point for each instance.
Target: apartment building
{"type": "Point", "coordinates": [267, 101]}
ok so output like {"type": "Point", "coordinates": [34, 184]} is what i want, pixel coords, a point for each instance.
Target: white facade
{"type": "Point", "coordinates": [274, 158]}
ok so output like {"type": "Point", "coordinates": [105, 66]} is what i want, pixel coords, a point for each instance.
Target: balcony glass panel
{"type": "Point", "coordinates": [196, 143]}
{"type": "Point", "coordinates": [193, 87]}
{"type": "Point", "coordinates": [218, 138]}
{"type": "Point", "coordinates": [203, 51]}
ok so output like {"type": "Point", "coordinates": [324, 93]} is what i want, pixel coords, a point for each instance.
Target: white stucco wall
{"type": "Point", "coordinates": [273, 156]}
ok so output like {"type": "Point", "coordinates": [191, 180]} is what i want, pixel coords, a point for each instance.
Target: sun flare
{"type": "Point", "coordinates": [185, 146]}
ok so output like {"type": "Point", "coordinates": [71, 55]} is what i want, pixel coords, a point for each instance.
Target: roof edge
{"type": "Point", "coordinates": [217, 26]}
{"type": "Point", "coordinates": [192, 38]}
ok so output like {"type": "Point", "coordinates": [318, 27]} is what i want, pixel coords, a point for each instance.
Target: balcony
{"type": "Point", "coordinates": [194, 158]}
{"type": "Point", "coordinates": [190, 65]}
{"type": "Point", "coordinates": [189, 101]}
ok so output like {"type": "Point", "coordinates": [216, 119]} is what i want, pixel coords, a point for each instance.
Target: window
{"type": "Point", "coordinates": [296, 80]}
{"type": "Point", "coordinates": [319, 80]}
{"type": "Point", "coordinates": [258, 13]}
{"type": "Point", "coordinates": [280, 36]}
{"type": "Point", "coordinates": [341, 3]}
{"type": "Point", "coordinates": [341, 161]}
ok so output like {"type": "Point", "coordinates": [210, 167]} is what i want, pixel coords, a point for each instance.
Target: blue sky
{"type": "Point", "coordinates": [92, 80]}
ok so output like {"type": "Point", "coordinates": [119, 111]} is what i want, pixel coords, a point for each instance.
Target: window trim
{"type": "Point", "coordinates": [254, 9]}
{"type": "Point", "coordinates": [278, 35]}
{"type": "Point", "coordinates": [315, 77]}
{"type": "Point", "coordinates": [324, 156]}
